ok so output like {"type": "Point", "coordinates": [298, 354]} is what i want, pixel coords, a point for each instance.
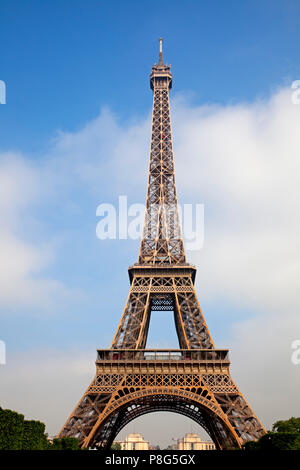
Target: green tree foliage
{"type": "Point", "coordinates": [285, 435]}
{"type": "Point", "coordinates": [275, 441]}
{"type": "Point", "coordinates": [65, 443]}
{"type": "Point", "coordinates": [19, 434]}
{"type": "Point", "coordinates": [11, 430]}
{"type": "Point", "coordinates": [297, 443]}
{"type": "Point", "coordinates": [251, 445]}
{"type": "Point", "coordinates": [34, 437]}
{"type": "Point", "coordinates": [115, 446]}
{"type": "Point", "coordinates": [289, 425]}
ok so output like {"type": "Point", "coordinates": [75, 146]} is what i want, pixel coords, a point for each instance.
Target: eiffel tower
{"type": "Point", "coordinates": [131, 380]}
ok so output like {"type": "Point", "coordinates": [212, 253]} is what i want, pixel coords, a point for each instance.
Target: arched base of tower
{"type": "Point", "coordinates": [194, 383]}
{"type": "Point", "coordinates": [219, 433]}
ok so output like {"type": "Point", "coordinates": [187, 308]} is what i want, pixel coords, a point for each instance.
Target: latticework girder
{"type": "Point", "coordinates": [177, 291]}
{"type": "Point", "coordinates": [162, 239]}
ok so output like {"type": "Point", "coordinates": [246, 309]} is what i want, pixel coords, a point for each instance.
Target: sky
{"type": "Point", "coordinates": [75, 133]}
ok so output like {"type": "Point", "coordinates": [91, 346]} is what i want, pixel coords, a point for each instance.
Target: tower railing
{"type": "Point", "coordinates": [202, 355]}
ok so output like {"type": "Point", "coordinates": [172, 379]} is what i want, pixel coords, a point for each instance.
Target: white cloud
{"type": "Point", "coordinates": [102, 155]}
{"type": "Point", "coordinates": [22, 284]}
{"type": "Point", "coordinates": [243, 163]}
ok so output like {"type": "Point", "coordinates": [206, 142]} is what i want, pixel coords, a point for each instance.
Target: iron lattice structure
{"type": "Point", "coordinates": [194, 380]}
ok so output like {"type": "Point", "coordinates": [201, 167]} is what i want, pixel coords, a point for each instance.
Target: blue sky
{"type": "Point", "coordinates": [75, 132]}
{"type": "Point", "coordinates": [63, 60]}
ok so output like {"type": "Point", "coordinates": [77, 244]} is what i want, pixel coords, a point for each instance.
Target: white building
{"type": "Point", "coordinates": [134, 441]}
{"type": "Point", "coordinates": [192, 441]}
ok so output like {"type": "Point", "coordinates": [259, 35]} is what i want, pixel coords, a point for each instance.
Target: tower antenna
{"type": "Point", "coordinates": [160, 52]}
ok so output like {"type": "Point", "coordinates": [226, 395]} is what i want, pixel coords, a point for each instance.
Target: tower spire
{"type": "Point", "coordinates": [160, 61]}
{"type": "Point", "coordinates": [162, 241]}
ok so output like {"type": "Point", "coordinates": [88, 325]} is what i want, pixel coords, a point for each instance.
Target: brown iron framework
{"type": "Point", "coordinates": [194, 380]}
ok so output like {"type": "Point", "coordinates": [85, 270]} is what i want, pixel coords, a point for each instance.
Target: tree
{"type": "Point", "coordinates": [65, 443]}
{"type": "Point", "coordinates": [19, 434]}
{"type": "Point", "coordinates": [289, 425]}
{"type": "Point", "coordinates": [34, 437]}
{"type": "Point", "coordinates": [297, 443]}
{"type": "Point", "coordinates": [285, 435]}
{"type": "Point", "coordinates": [11, 430]}
{"type": "Point", "coordinates": [115, 446]}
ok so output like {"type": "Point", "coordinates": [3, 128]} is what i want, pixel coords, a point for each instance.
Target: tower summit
{"type": "Point", "coordinates": [161, 71]}
{"type": "Point", "coordinates": [193, 380]}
